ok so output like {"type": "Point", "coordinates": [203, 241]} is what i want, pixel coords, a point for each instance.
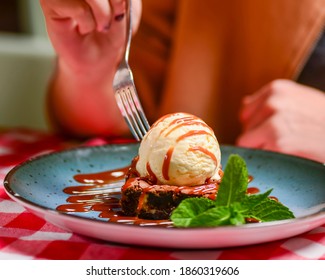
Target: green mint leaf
{"type": "Point", "coordinates": [218, 216]}
{"type": "Point", "coordinates": [188, 209]}
{"type": "Point", "coordinates": [250, 201]}
{"type": "Point", "coordinates": [201, 212]}
{"type": "Point", "coordinates": [269, 210]}
{"type": "Point", "coordinates": [215, 216]}
{"type": "Point", "coordinates": [234, 182]}
{"type": "Point", "coordinates": [236, 217]}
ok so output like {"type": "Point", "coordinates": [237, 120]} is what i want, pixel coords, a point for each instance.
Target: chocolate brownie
{"type": "Point", "coordinates": [151, 201]}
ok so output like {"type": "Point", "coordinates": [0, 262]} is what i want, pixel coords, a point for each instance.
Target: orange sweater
{"type": "Point", "coordinates": [202, 57]}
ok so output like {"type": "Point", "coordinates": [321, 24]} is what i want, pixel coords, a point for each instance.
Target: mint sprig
{"type": "Point", "coordinates": [233, 205]}
{"type": "Point", "coordinates": [234, 182]}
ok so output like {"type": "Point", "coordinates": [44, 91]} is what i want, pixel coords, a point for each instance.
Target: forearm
{"type": "Point", "coordinates": [82, 104]}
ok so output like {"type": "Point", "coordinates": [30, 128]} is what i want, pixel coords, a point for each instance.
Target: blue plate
{"type": "Point", "coordinates": [39, 185]}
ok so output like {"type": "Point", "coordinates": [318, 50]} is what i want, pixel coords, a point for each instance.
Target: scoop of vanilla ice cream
{"type": "Point", "coordinates": [179, 149]}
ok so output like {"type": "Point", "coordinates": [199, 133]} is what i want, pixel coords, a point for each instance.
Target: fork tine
{"type": "Point", "coordinates": [129, 100]}
{"type": "Point", "coordinates": [127, 118]}
{"type": "Point", "coordinates": [137, 109]}
{"type": "Point", "coordinates": [126, 108]}
{"type": "Point", "coordinates": [130, 108]}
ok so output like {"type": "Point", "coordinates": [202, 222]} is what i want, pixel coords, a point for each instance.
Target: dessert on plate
{"type": "Point", "coordinates": [178, 158]}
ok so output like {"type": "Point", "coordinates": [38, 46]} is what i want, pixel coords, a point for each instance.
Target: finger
{"type": "Point", "coordinates": [261, 112]}
{"type": "Point", "coordinates": [63, 33]}
{"type": "Point", "coordinates": [77, 13]}
{"type": "Point", "coordinates": [117, 29]}
{"type": "Point", "coordinates": [119, 9]}
{"type": "Point", "coordinates": [259, 137]}
{"type": "Point", "coordinates": [252, 103]}
{"type": "Point", "coordinates": [102, 13]}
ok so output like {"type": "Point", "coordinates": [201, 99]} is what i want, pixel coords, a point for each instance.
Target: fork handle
{"type": "Point", "coordinates": [128, 29]}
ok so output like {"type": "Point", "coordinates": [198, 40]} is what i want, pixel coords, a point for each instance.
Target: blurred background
{"type": "Point", "coordinates": [26, 63]}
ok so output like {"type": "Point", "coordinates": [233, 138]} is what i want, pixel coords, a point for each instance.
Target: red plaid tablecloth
{"type": "Point", "coordinates": [25, 236]}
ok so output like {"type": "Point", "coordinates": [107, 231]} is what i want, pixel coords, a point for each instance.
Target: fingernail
{"type": "Point", "coordinates": [119, 17]}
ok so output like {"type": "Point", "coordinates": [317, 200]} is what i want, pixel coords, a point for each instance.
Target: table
{"type": "Point", "coordinates": [26, 236]}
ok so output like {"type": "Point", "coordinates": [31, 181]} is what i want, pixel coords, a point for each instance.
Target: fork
{"type": "Point", "coordinates": [124, 88]}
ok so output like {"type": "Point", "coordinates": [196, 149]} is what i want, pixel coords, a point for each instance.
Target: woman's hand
{"type": "Point", "coordinates": [285, 117]}
{"type": "Point", "coordinates": [89, 39]}
{"type": "Point", "coordinates": [88, 33]}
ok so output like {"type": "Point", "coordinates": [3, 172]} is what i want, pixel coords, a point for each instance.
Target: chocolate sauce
{"type": "Point", "coordinates": [152, 175]}
{"type": "Point", "coordinates": [204, 151]}
{"type": "Point", "coordinates": [105, 177]}
{"type": "Point", "coordinates": [183, 122]}
{"type": "Point", "coordinates": [166, 163]}
{"type": "Point", "coordinates": [209, 190]}
{"type": "Point", "coordinates": [95, 194]}
{"type": "Point", "coordinates": [191, 133]}
{"type": "Point", "coordinates": [252, 190]}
